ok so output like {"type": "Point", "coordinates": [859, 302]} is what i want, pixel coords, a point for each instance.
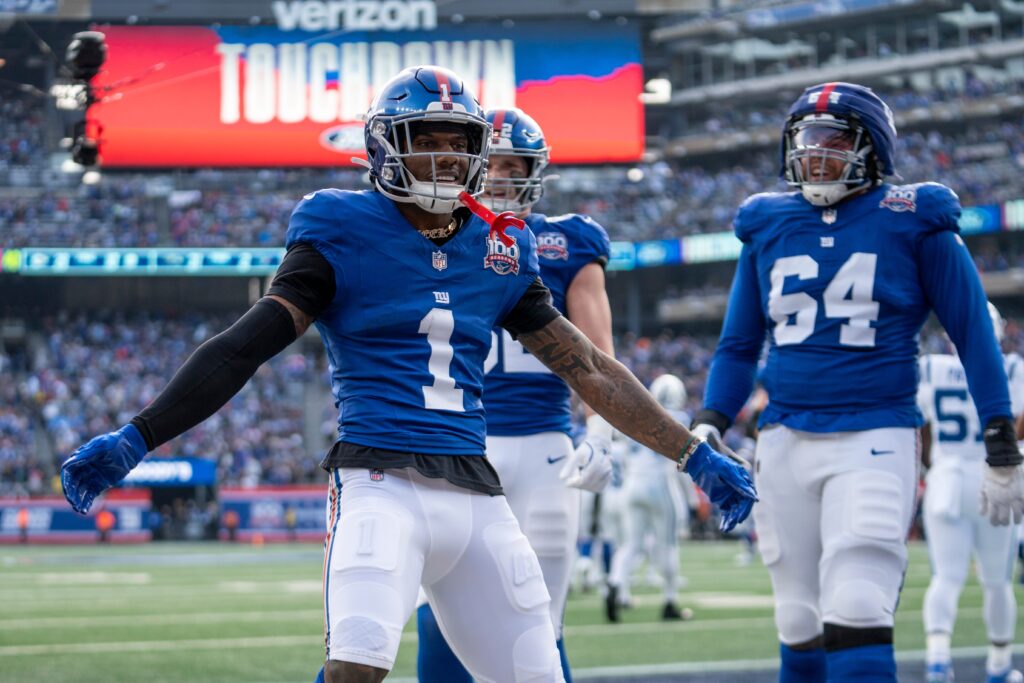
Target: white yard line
{"type": "Point", "coordinates": [159, 619]}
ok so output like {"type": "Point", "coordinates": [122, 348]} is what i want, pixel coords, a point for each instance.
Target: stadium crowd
{"type": "Point", "coordinates": [259, 438]}
{"type": "Point", "coordinates": [658, 200]}
{"type": "Point", "coordinates": [91, 371]}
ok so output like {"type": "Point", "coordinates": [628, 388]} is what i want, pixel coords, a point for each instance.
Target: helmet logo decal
{"type": "Point", "coordinates": [445, 88]}
{"type": "Point", "coordinates": [499, 127]}
{"type": "Point", "coordinates": [824, 97]}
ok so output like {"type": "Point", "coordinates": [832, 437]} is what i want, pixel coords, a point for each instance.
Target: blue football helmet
{"type": "Point", "coordinates": [424, 95]}
{"type": "Point", "coordinates": [514, 133]}
{"type": "Point", "coordinates": [837, 122]}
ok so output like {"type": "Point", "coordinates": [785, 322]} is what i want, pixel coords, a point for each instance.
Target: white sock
{"type": "Point", "coordinates": [999, 658]}
{"type": "Point", "coordinates": [938, 648]}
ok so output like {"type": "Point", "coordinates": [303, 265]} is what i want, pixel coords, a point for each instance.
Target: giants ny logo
{"type": "Point", "coordinates": [500, 258]}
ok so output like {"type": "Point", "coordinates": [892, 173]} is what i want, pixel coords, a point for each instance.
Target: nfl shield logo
{"type": "Point", "coordinates": [376, 474]}
{"type": "Point", "coordinates": [440, 260]}
{"type": "Point", "coordinates": [828, 216]}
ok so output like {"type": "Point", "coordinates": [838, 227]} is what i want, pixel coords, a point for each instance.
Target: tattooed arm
{"type": "Point", "coordinates": [607, 386]}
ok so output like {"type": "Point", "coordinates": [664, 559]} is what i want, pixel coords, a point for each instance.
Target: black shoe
{"type": "Point", "coordinates": [611, 604]}
{"type": "Point", "coordinates": [672, 613]}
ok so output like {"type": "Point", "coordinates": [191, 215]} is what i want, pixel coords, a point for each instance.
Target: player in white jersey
{"type": "Point", "coordinates": [956, 530]}
{"type": "Point", "coordinates": [654, 508]}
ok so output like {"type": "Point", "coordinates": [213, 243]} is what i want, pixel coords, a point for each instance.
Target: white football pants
{"type": "Point", "coordinates": [548, 511]}
{"type": "Point", "coordinates": [388, 533]}
{"type": "Point", "coordinates": [832, 521]}
{"type": "Point", "coordinates": [956, 530]}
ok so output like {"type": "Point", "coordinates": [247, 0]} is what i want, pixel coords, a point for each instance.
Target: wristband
{"type": "Point", "coordinates": [691, 446]}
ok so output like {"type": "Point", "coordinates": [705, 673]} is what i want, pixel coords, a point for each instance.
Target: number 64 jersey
{"type": "Point", "coordinates": [410, 323]}
{"type": "Point", "coordinates": [842, 293]}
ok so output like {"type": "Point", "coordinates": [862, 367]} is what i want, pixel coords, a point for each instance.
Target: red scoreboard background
{"type": "Point", "coordinates": [260, 96]}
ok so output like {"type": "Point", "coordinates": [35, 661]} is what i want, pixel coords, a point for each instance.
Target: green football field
{"type": "Point", "coordinates": [204, 613]}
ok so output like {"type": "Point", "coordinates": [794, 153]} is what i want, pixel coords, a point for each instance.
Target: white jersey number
{"type": "Point", "coordinates": [517, 358]}
{"type": "Point", "coordinates": [438, 325]}
{"type": "Point", "coordinates": [952, 417]}
{"type": "Point", "coordinates": [848, 295]}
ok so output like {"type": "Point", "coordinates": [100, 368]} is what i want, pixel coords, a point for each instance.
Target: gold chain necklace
{"type": "Point", "coordinates": [439, 233]}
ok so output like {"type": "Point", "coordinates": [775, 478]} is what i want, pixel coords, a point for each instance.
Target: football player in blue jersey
{"type": "Point", "coordinates": [405, 290]}
{"type": "Point", "coordinates": [528, 412]}
{"type": "Point", "coordinates": [953, 450]}
{"type": "Point", "coordinates": [840, 275]}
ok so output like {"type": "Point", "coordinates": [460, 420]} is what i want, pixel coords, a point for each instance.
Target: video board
{"type": "Point", "coordinates": [187, 96]}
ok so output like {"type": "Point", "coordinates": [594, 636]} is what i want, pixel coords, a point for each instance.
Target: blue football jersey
{"type": "Point", "coordinates": [521, 395]}
{"type": "Point", "coordinates": [841, 294]}
{"type": "Point", "coordinates": [410, 324]}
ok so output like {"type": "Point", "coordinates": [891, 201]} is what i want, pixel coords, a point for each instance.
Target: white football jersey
{"type": "Point", "coordinates": [946, 403]}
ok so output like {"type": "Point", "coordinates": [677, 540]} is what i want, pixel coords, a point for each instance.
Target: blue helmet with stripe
{"type": "Point", "coordinates": [515, 133]}
{"type": "Point", "coordinates": [834, 124]}
{"type": "Point", "coordinates": [424, 98]}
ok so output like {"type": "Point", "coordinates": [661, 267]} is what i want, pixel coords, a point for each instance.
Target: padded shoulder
{"type": "Point", "coordinates": [322, 215]}
{"type": "Point", "coordinates": [934, 206]}
{"type": "Point", "coordinates": [755, 213]}
{"type": "Point", "coordinates": [584, 232]}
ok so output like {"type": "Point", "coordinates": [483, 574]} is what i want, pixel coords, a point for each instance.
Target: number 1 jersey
{"type": "Point", "coordinates": [410, 324]}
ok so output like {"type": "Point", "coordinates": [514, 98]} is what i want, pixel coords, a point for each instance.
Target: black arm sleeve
{"type": "Point", "coordinates": [305, 279]}
{"type": "Point", "coordinates": [216, 371]}
{"type": "Point", "coordinates": [533, 311]}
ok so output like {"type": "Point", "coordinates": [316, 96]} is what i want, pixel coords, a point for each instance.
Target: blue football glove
{"type": "Point", "coordinates": [100, 464]}
{"type": "Point", "coordinates": [725, 481]}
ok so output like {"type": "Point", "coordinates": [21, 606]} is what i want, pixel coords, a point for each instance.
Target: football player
{"type": "Point", "coordinates": [528, 410]}
{"type": "Point", "coordinates": [840, 275]}
{"type": "Point", "coordinates": [954, 450]}
{"type": "Point", "coordinates": [405, 289]}
{"type": "Point", "coordinates": [654, 504]}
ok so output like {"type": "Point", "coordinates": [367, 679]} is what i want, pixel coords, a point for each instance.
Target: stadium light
{"type": "Point", "coordinates": [657, 91]}
{"type": "Point", "coordinates": [86, 54]}
{"type": "Point", "coordinates": [85, 144]}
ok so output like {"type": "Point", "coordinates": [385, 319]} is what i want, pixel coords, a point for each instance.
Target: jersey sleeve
{"type": "Point", "coordinates": [939, 208]}
{"type": "Point", "coordinates": [529, 270]}
{"type": "Point", "coordinates": [734, 364]}
{"type": "Point", "coordinates": [305, 279]}
{"type": "Point", "coordinates": [747, 217]}
{"type": "Point", "coordinates": [533, 311]}
{"type": "Point", "coordinates": [315, 221]}
{"type": "Point", "coordinates": [595, 247]}
{"type": "Point", "coordinates": [925, 389]}
{"type": "Point", "coordinates": [954, 290]}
